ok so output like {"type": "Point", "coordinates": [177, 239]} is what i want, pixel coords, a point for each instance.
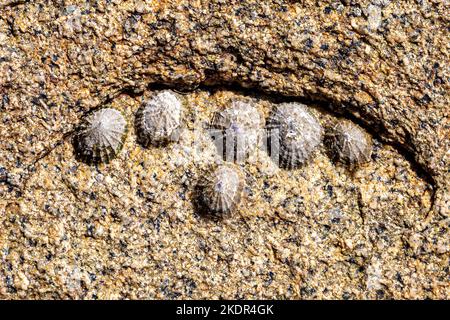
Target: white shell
{"type": "Point", "coordinates": [222, 190]}
{"type": "Point", "coordinates": [350, 144]}
{"type": "Point", "coordinates": [101, 136]}
{"type": "Point", "coordinates": [238, 129]}
{"type": "Point", "coordinates": [158, 120]}
{"type": "Point", "coordinates": [297, 133]}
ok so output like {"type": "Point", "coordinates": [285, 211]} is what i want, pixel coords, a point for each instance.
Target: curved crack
{"type": "Point", "coordinates": [322, 105]}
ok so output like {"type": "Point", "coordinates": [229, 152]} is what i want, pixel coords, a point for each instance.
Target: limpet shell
{"type": "Point", "coordinates": [100, 136]}
{"type": "Point", "coordinates": [297, 134]}
{"type": "Point", "coordinates": [239, 130]}
{"type": "Point", "coordinates": [350, 144]}
{"type": "Point", "coordinates": [158, 120]}
{"type": "Point", "coordinates": [221, 190]}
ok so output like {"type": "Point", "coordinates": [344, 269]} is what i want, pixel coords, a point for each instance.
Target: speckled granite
{"type": "Point", "coordinates": [130, 229]}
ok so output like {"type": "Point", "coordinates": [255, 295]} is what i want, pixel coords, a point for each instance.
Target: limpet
{"type": "Point", "coordinates": [297, 134]}
{"type": "Point", "coordinates": [158, 120]}
{"type": "Point", "coordinates": [221, 190]}
{"type": "Point", "coordinates": [100, 136]}
{"type": "Point", "coordinates": [350, 144]}
{"type": "Point", "coordinates": [239, 127]}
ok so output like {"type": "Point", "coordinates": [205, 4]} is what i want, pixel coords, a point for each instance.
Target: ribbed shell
{"type": "Point", "coordinates": [297, 132]}
{"type": "Point", "coordinates": [100, 136]}
{"type": "Point", "coordinates": [239, 126]}
{"type": "Point", "coordinates": [222, 190]}
{"type": "Point", "coordinates": [350, 144]}
{"type": "Point", "coordinates": [158, 120]}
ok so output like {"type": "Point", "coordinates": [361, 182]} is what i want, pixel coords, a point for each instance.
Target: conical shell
{"type": "Point", "coordinates": [350, 144]}
{"type": "Point", "coordinates": [100, 136]}
{"type": "Point", "coordinates": [221, 190]}
{"type": "Point", "coordinates": [297, 132]}
{"type": "Point", "coordinates": [158, 120]}
{"type": "Point", "coordinates": [239, 128]}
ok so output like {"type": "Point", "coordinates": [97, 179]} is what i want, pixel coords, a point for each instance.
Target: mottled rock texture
{"type": "Point", "coordinates": [129, 229]}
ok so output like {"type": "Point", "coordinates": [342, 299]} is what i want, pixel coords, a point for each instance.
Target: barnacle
{"type": "Point", "coordinates": [221, 190]}
{"type": "Point", "coordinates": [238, 129]}
{"type": "Point", "coordinates": [294, 134]}
{"type": "Point", "coordinates": [100, 136]}
{"type": "Point", "coordinates": [349, 144]}
{"type": "Point", "coordinates": [158, 120]}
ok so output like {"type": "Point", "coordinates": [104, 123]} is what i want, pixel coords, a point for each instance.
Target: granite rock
{"type": "Point", "coordinates": [130, 229]}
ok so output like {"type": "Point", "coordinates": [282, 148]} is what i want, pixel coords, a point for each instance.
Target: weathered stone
{"type": "Point", "coordinates": [129, 229]}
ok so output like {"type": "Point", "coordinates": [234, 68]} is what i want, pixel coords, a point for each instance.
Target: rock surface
{"type": "Point", "coordinates": [130, 229]}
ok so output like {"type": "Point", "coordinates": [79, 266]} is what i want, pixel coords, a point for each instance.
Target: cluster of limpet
{"type": "Point", "coordinates": [221, 190]}
{"type": "Point", "coordinates": [349, 144]}
{"type": "Point", "coordinates": [158, 120]}
{"type": "Point", "coordinates": [100, 136]}
{"type": "Point", "coordinates": [239, 130]}
{"type": "Point", "coordinates": [297, 134]}
{"type": "Point", "coordinates": [295, 130]}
